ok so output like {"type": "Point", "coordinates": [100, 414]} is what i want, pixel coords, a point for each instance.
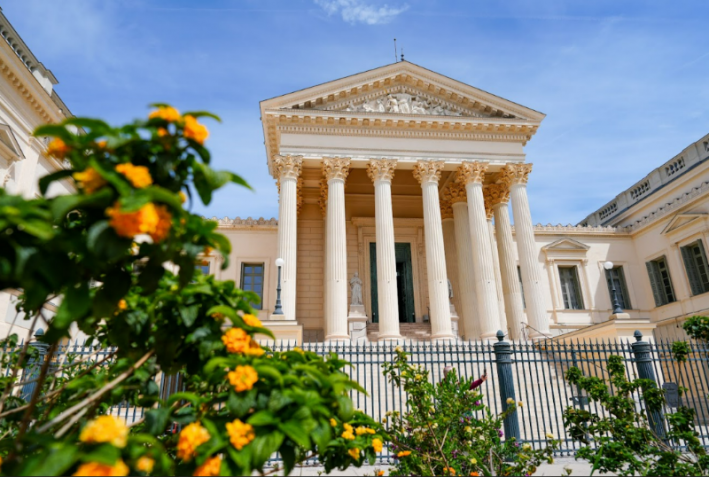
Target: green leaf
{"type": "Point", "coordinates": [296, 433]}
{"type": "Point", "coordinates": [133, 202]}
{"type": "Point", "coordinates": [239, 405]}
{"type": "Point", "coordinates": [266, 370]}
{"type": "Point", "coordinates": [189, 314]}
{"type": "Point", "coordinates": [103, 454]}
{"type": "Point", "coordinates": [262, 447]}
{"type": "Point", "coordinates": [237, 179]}
{"type": "Point", "coordinates": [57, 461]}
{"type": "Point", "coordinates": [54, 130]}
{"type": "Point", "coordinates": [64, 204]}
{"type": "Point", "coordinates": [345, 409]}
{"type": "Point", "coordinates": [184, 396]}
{"type": "Point", "coordinates": [201, 114]}
{"type": "Point", "coordinates": [263, 418]}
{"type": "Point", "coordinates": [45, 181]}
{"type": "Point", "coordinates": [164, 196]}
{"type": "Point", "coordinates": [76, 303]}
{"type": "Point", "coordinates": [156, 420]}
{"type": "Point", "coordinates": [288, 455]}
{"type": "Point", "coordinates": [95, 125]}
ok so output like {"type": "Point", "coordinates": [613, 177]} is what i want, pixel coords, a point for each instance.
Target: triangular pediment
{"type": "Point", "coordinates": [680, 220]}
{"type": "Point", "coordinates": [402, 88]}
{"type": "Point", "coordinates": [566, 245]}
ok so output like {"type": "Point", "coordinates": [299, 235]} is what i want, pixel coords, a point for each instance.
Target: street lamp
{"type": "Point", "coordinates": [616, 305]}
{"type": "Point", "coordinates": [278, 310]}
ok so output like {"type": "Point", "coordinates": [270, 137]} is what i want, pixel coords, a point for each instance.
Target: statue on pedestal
{"type": "Point", "coordinates": [356, 289]}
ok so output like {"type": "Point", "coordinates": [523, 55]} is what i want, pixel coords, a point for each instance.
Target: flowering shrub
{"type": "Point", "coordinates": [697, 327]}
{"type": "Point", "coordinates": [121, 254]}
{"type": "Point", "coordinates": [448, 431]}
{"type": "Point", "coordinates": [623, 441]}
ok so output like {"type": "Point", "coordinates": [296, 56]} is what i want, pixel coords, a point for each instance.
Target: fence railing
{"type": "Point", "coordinates": [531, 372]}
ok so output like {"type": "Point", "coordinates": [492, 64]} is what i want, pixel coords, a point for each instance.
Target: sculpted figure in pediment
{"type": "Point", "coordinates": [417, 107]}
{"type": "Point", "coordinates": [392, 104]}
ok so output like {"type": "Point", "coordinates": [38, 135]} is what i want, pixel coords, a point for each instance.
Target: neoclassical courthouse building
{"type": "Point", "coordinates": [398, 192]}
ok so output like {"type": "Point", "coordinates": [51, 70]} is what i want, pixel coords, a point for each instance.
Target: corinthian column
{"type": "Point", "coordinates": [335, 172]}
{"type": "Point", "coordinates": [472, 175]}
{"type": "Point", "coordinates": [381, 172]}
{"type": "Point", "coordinates": [288, 170]}
{"type": "Point", "coordinates": [428, 174]}
{"type": "Point", "coordinates": [466, 282]}
{"type": "Point", "coordinates": [451, 261]}
{"type": "Point", "coordinates": [515, 177]}
{"type": "Point", "coordinates": [499, 199]}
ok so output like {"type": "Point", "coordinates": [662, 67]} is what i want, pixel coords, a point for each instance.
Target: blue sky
{"type": "Point", "coordinates": [624, 84]}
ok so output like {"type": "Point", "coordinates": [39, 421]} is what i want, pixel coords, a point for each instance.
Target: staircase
{"type": "Point", "coordinates": [410, 331]}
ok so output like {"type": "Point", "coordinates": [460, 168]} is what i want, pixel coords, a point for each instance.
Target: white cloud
{"type": "Point", "coordinates": [356, 11]}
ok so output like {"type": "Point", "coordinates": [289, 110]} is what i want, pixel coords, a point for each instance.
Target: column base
{"type": "Point", "coordinates": [357, 324]}
{"type": "Point", "coordinates": [283, 330]}
{"type": "Point", "coordinates": [338, 338]}
{"type": "Point", "coordinates": [444, 337]}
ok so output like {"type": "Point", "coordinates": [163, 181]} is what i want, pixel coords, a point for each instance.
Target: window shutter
{"type": "Point", "coordinates": [624, 295]}
{"type": "Point", "coordinates": [577, 288]}
{"type": "Point", "coordinates": [654, 275]}
{"type": "Point", "coordinates": [704, 267]}
{"type": "Point", "coordinates": [692, 272]}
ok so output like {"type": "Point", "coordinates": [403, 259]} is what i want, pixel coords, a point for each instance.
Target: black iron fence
{"type": "Point", "coordinates": [530, 372]}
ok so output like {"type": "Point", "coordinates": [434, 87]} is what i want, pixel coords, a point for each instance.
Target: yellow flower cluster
{"type": "Point", "coordinates": [251, 320]}
{"type": "Point", "coordinates": [139, 176]}
{"type": "Point", "coordinates": [145, 464]}
{"type": "Point", "coordinates": [364, 430]}
{"type": "Point", "coordinates": [237, 340]}
{"type": "Point", "coordinates": [333, 422]}
{"type": "Point", "coordinates": [354, 453]}
{"type": "Point", "coordinates": [243, 378]}
{"type": "Point", "coordinates": [97, 469]}
{"type": "Point", "coordinates": [377, 444]}
{"type": "Point", "coordinates": [192, 436]}
{"type": "Point", "coordinates": [510, 401]}
{"type": "Point", "coordinates": [194, 130]}
{"type": "Point", "coordinates": [240, 434]}
{"type": "Point", "coordinates": [403, 453]}
{"type": "Point", "coordinates": [105, 429]}
{"type": "Point", "coordinates": [57, 148]}
{"type": "Point", "coordinates": [151, 219]}
{"type": "Point", "coordinates": [348, 434]}
{"type": "Point", "coordinates": [122, 304]}
{"type": "Point", "coordinates": [89, 180]}
{"type": "Point", "coordinates": [449, 470]}
{"type": "Point", "coordinates": [166, 113]}
{"type": "Point", "coordinates": [210, 468]}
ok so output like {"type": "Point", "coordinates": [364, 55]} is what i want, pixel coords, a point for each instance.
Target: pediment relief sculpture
{"type": "Point", "coordinates": [403, 103]}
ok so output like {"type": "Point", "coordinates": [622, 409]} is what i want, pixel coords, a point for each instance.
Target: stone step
{"type": "Point", "coordinates": [410, 331]}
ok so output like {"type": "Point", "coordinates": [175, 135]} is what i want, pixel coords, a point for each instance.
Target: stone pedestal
{"type": "Point", "coordinates": [357, 324]}
{"type": "Point", "coordinates": [454, 321]}
{"type": "Point", "coordinates": [284, 330]}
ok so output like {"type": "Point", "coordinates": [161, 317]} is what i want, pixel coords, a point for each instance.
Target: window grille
{"type": "Point", "coordinates": [660, 281]}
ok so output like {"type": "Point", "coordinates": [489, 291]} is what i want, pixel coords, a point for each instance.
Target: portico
{"type": "Point", "coordinates": [397, 175]}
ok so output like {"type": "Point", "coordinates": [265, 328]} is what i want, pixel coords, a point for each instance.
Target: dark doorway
{"type": "Point", "coordinates": [404, 282]}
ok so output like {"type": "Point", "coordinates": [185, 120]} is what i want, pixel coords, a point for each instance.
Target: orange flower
{"type": "Point", "coordinates": [194, 130]}
{"type": "Point", "coordinates": [122, 305]}
{"type": "Point", "coordinates": [192, 436]}
{"type": "Point", "coordinates": [89, 180]}
{"type": "Point", "coordinates": [243, 378]}
{"type": "Point", "coordinates": [403, 453]}
{"type": "Point", "coordinates": [254, 349]}
{"type": "Point", "coordinates": [97, 469]}
{"type": "Point", "coordinates": [251, 320]}
{"type": "Point", "coordinates": [240, 434]}
{"type": "Point", "coordinates": [449, 470]}
{"type": "Point", "coordinates": [218, 316]}
{"type": "Point", "coordinates": [162, 229]}
{"type": "Point", "coordinates": [139, 176]}
{"type": "Point", "coordinates": [236, 340]}
{"type": "Point", "coordinates": [211, 467]}
{"type": "Point", "coordinates": [377, 444]}
{"type": "Point", "coordinates": [130, 224]}
{"type": "Point", "coordinates": [105, 429]}
{"type": "Point", "coordinates": [166, 113]}
{"type": "Point", "coordinates": [57, 148]}
{"type": "Point", "coordinates": [145, 464]}
{"type": "Point", "coordinates": [162, 132]}
{"type": "Point", "coordinates": [474, 474]}
{"type": "Point", "coordinates": [354, 453]}
{"type": "Point", "coordinates": [380, 473]}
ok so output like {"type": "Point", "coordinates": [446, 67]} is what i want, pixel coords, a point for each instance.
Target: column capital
{"type": "Point", "coordinates": [455, 193]}
{"type": "Point", "coordinates": [446, 209]}
{"type": "Point", "coordinates": [487, 201]}
{"type": "Point", "coordinates": [472, 172]}
{"type": "Point", "coordinates": [288, 167]}
{"type": "Point", "coordinates": [428, 171]}
{"type": "Point", "coordinates": [335, 168]}
{"type": "Point", "coordinates": [322, 200]}
{"type": "Point", "coordinates": [381, 169]}
{"type": "Point", "coordinates": [515, 174]}
{"type": "Point", "coordinates": [496, 194]}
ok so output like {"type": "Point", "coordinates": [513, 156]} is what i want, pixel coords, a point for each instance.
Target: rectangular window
{"type": "Point", "coordinates": [521, 286]}
{"type": "Point", "coordinates": [252, 280]}
{"type": "Point", "coordinates": [695, 262]}
{"type": "Point", "coordinates": [570, 289]}
{"type": "Point", "coordinates": [616, 279]}
{"type": "Point", "coordinates": [203, 267]}
{"type": "Point", "coordinates": [660, 281]}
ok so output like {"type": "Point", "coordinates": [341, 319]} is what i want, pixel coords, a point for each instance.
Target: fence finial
{"type": "Point", "coordinates": [39, 333]}
{"type": "Point", "coordinates": [638, 336]}
{"type": "Point", "coordinates": [500, 335]}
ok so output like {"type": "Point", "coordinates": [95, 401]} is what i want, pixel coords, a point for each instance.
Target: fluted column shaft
{"type": "Point", "coordinates": [288, 170]}
{"type": "Point", "coordinates": [472, 175]}
{"type": "Point", "coordinates": [336, 171]}
{"type": "Point", "coordinates": [515, 175]}
{"type": "Point", "coordinates": [498, 275]}
{"type": "Point", "coordinates": [428, 174]}
{"type": "Point", "coordinates": [382, 172]}
{"type": "Point", "coordinates": [508, 269]}
{"type": "Point", "coordinates": [466, 280]}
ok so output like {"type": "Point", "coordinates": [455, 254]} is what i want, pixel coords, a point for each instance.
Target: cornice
{"type": "Point", "coordinates": [248, 223]}
{"type": "Point", "coordinates": [400, 222]}
{"type": "Point", "coordinates": [550, 229]}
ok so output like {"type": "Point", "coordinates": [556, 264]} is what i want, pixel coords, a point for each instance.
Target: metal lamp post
{"type": "Point", "coordinates": [616, 305]}
{"type": "Point", "coordinates": [279, 309]}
